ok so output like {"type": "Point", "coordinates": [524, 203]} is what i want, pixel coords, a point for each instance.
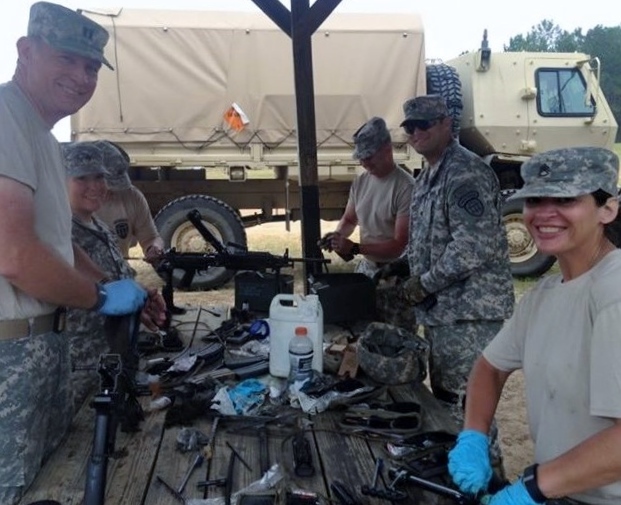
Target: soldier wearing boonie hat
{"type": "Point", "coordinates": [370, 137]}
{"type": "Point", "coordinates": [68, 30]}
{"type": "Point", "coordinates": [83, 158]}
{"type": "Point", "coordinates": [569, 172]}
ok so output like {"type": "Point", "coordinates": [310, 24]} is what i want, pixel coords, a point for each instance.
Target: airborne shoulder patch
{"type": "Point", "coordinates": [467, 197]}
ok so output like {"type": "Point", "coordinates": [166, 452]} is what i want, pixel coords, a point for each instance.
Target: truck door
{"type": "Point", "coordinates": [564, 111]}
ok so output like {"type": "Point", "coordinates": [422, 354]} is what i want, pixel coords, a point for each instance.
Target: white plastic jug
{"type": "Point", "coordinates": [287, 311]}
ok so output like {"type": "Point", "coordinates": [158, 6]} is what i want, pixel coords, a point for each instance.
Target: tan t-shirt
{"type": "Point", "coordinates": [378, 202]}
{"type": "Point", "coordinates": [31, 155]}
{"type": "Point", "coordinates": [566, 337]}
{"type": "Point", "coordinates": [126, 213]}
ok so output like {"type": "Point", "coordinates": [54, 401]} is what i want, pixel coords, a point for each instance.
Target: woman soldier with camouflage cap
{"type": "Point", "coordinates": [564, 334]}
{"type": "Point", "coordinates": [88, 333]}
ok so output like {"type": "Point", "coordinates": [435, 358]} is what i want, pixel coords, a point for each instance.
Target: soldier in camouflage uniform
{"type": "Point", "coordinates": [125, 209]}
{"type": "Point", "coordinates": [379, 201]}
{"type": "Point", "coordinates": [86, 329]}
{"type": "Point", "coordinates": [564, 335]}
{"type": "Point", "coordinates": [460, 285]}
{"type": "Point", "coordinates": [40, 271]}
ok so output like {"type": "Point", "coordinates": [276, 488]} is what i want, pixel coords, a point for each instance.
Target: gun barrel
{"type": "Point", "coordinates": [194, 216]}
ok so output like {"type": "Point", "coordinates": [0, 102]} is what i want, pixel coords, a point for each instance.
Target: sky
{"type": "Point", "coordinates": [451, 26]}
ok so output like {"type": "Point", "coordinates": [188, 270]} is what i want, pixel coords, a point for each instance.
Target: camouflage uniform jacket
{"type": "Point", "coordinates": [86, 327]}
{"type": "Point", "coordinates": [458, 243]}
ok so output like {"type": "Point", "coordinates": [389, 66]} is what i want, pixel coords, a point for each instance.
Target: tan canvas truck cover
{"type": "Point", "coordinates": [178, 72]}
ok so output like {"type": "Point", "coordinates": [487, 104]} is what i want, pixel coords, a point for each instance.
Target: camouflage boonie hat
{"type": "Point", "coordinates": [391, 355]}
{"type": "Point", "coordinates": [370, 137]}
{"type": "Point", "coordinates": [68, 30]}
{"type": "Point", "coordinates": [116, 164]}
{"type": "Point", "coordinates": [426, 107]}
{"type": "Point", "coordinates": [569, 172]}
{"type": "Point", "coordinates": [82, 158]}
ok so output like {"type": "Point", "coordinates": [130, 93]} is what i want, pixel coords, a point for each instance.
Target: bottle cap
{"type": "Point", "coordinates": [301, 330]}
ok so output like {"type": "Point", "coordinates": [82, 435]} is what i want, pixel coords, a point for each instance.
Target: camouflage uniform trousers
{"type": "Point", "coordinates": [390, 304]}
{"type": "Point", "coordinates": [35, 407]}
{"type": "Point", "coordinates": [87, 342]}
{"type": "Point", "coordinates": [454, 349]}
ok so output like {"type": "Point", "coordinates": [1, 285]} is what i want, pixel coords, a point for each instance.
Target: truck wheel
{"type": "Point", "coordinates": [526, 260]}
{"type": "Point", "coordinates": [444, 80]}
{"type": "Point", "coordinates": [178, 232]}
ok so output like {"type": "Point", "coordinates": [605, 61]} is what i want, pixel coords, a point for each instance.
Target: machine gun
{"type": "Point", "coordinates": [115, 405]}
{"type": "Point", "coordinates": [235, 257]}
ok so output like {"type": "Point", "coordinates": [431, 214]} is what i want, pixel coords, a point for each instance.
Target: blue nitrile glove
{"type": "Point", "coordinates": [515, 494]}
{"type": "Point", "coordinates": [469, 463]}
{"type": "Point", "coordinates": [121, 297]}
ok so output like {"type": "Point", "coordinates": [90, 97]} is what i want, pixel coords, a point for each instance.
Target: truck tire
{"type": "Point", "coordinates": [526, 260]}
{"type": "Point", "coordinates": [178, 232]}
{"type": "Point", "coordinates": [444, 80]}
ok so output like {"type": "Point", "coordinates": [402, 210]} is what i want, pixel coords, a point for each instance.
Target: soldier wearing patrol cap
{"type": "Point", "coordinates": [460, 287]}
{"type": "Point", "coordinates": [564, 335]}
{"type": "Point", "coordinates": [125, 209]}
{"type": "Point", "coordinates": [379, 202]}
{"type": "Point", "coordinates": [56, 74]}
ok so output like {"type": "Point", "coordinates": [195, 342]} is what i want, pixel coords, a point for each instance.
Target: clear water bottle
{"type": "Point", "coordinates": [300, 357]}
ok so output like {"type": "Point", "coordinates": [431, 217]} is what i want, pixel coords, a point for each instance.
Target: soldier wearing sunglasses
{"type": "Point", "coordinates": [460, 282]}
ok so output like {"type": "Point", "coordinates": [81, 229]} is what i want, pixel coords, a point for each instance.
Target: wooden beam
{"type": "Point", "coordinates": [277, 12]}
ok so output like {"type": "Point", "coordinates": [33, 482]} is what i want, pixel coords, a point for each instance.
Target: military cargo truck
{"type": "Point", "coordinates": [204, 105]}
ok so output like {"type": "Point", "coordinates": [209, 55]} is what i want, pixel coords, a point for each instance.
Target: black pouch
{"type": "Point", "coordinates": [268, 498]}
{"type": "Point", "coordinates": [60, 319]}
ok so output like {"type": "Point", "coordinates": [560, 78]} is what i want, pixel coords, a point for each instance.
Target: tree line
{"type": "Point", "coordinates": [603, 42]}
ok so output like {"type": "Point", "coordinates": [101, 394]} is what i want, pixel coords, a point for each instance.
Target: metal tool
{"type": "Point", "coordinates": [228, 444]}
{"type": "Point", "coordinates": [171, 489]}
{"type": "Point", "coordinates": [198, 461]}
{"type": "Point", "coordinates": [212, 482]}
{"type": "Point", "coordinates": [460, 498]}
{"type": "Point", "coordinates": [228, 487]}
{"type": "Point", "coordinates": [388, 493]}
{"type": "Point", "coordinates": [342, 494]}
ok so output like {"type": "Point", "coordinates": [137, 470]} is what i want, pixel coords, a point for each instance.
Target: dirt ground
{"type": "Point", "coordinates": [511, 416]}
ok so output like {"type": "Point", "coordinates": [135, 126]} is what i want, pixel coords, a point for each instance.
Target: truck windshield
{"type": "Point", "coordinates": [561, 93]}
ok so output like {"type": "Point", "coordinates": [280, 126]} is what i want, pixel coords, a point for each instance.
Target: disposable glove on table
{"type": "Point", "coordinates": [515, 494]}
{"type": "Point", "coordinates": [122, 297]}
{"type": "Point", "coordinates": [468, 462]}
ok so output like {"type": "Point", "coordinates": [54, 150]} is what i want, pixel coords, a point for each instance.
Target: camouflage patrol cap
{"type": "Point", "coordinates": [116, 165]}
{"type": "Point", "coordinates": [82, 158]}
{"type": "Point", "coordinates": [370, 137]}
{"type": "Point", "coordinates": [68, 30]}
{"type": "Point", "coordinates": [425, 107]}
{"type": "Point", "coordinates": [569, 172]}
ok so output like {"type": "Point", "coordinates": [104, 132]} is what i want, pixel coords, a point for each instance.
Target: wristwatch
{"type": "Point", "coordinates": [355, 249]}
{"type": "Point", "coordinates": [529, 478]}
{"type": "Point", "coordinates": [102, 296]}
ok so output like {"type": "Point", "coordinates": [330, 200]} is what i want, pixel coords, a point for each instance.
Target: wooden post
{"type": "Point", "coordinates": [300, 23]}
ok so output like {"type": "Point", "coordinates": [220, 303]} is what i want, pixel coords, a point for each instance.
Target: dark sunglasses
{"type": "Point", "coordinates": [421, 124]}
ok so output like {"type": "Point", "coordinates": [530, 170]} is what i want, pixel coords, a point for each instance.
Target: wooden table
{"type": "Point", "coordinates": [153, 451]}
